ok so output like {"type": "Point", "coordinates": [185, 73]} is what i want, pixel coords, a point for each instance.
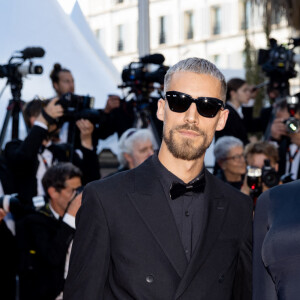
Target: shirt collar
{"type": "Point", "coordinates": [55, 214]}
{"type": "Point", "coordinates": [238, 110]}
{"type": "Point", "coordinates": [167, 177]}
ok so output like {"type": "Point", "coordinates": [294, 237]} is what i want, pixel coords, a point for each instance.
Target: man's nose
{"type": "Point", "coordinates": [191, 115]}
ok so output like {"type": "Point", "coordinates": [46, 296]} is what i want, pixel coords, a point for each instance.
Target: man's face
{"type": "Point", "coordinates": [141, 151]}
{"type": "Point", "coordinates": [187, 135]}
{"type": "Point", "coordinates": [235, 163]}
{"type": "Point", "coordinates": [65, 84]}
{"type": "Point", "coordinates": [258, 160]}
{"type": "Point", "coordinates": [65, 195]}
{"type": "Point", "coordinates": [243, 94]}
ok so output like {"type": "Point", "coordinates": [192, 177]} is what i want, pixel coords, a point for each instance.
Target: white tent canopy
{"type": "Point", "coordinates": [79, 20]}
{"type": "Point", "coordinates": [44, 24]}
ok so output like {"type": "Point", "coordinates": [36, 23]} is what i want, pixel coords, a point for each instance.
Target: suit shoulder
{"type": "Point", "coordinates": [233, 194]}
{"type": "Point", "coordinates": [112, 182]}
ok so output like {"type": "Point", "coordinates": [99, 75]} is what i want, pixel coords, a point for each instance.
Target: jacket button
{"type": "Point", "coordinates": [149, 279]}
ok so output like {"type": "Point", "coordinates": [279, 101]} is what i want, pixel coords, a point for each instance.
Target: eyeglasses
{"type": "Point", "coordinates": [236, 157]}
{"type": "Point", "coordinates": [207, 107]}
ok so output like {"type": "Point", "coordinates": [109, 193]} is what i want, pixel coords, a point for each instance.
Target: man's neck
{"type": "Point", "coordinates": [235, 103]}
{"type": "Point", "coordinates": [230, 177]}
{"type": "Point", "coordinates": [183, 169]}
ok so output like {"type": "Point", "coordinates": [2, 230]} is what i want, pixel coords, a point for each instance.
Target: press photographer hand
{"type": "Point", "coordinates": [295, 138]}
{"type": "Point", "coordinates": [86, 129]}
{"type": "Point", "coordinates": [113, 102]}
{"type": "Point", "coordinates": [278, 129]}
{"type": "Point", "coordinates": [2, 214]}
{"type": "Point", "coordinates": [74, 205]}
{"type": "Point", "coordinates": [52, 110]}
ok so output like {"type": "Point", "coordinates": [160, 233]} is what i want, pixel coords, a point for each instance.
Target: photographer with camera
{"type": "Point", "coordinates": [285, 131]}
{"type": "Point", "coordinates": [44, 237]}
{"type": "Point", "coordinates": [29, 159]}
{"type": "Point", "coordinates": [262, 171]}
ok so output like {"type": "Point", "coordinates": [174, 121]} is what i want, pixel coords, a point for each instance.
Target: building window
{"type": "Point", "coordinates": [99, 35]}
{"type": "Point", "coordinates": [246, 15]}
{"type": "Point", "coordinates": [189, 25]}
{"type": "Point", "coordinates": [216, 60]}
{"type": "Point", "coordinates": [162, 30]}
{"type": "Point", "coordinates": [120, 41]}
{"type": "Point", "coordinates": [276, 17]}
{"type": "Point", "coordinates": [216, 20]}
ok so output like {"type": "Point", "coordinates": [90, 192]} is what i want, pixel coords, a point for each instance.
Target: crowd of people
{"type": "Point", "coordinates": [127, 241]}
{"type": "Point", "coordinates": [44, 174]}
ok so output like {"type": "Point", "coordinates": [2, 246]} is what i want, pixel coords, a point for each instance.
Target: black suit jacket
{"type": "Point", "coordinates": [8, 251]}
{"type": "Point", "coordinates": [43, 242]}
{"type": "Point", "coordinates": [22, 157]}
{"type": "Point", "coordinates": [235, 126]}
{"type": "Point", "coordinates": [127, 245]}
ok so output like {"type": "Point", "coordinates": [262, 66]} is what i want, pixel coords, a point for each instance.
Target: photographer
{"type": "Point", "coordinates": [262, 157]}
{"type": "Point", "coordinates": [44, 237]}
{"type": "Point", "coordinates": [29, 159]}
{"type": "Point", "coordinates": [285, 132]}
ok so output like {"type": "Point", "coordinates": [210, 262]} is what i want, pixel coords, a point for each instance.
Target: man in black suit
{"type": "Point", "coordinates": [170, 230]}
{"type": "Point", "coordinates": [44, 237]}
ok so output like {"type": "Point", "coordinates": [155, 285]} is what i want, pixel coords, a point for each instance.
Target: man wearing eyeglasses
{"type": "Point", "coordinates": [168, 229]}
{"type": "Point", "coordinates": [44, 238]}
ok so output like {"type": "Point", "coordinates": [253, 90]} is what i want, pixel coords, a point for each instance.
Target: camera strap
{"type": "Point", "coordinates": [292, 157]}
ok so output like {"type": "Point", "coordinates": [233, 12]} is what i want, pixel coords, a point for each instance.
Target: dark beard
{"type": "Point", "coordinates": [186, 150]}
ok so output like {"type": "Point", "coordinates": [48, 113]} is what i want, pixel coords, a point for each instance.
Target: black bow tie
{"type": "Point", "coordinates": [178, 189]}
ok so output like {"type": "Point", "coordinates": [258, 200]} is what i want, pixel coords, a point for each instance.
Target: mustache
{"type": "Point", "coordinates": [190, 127]}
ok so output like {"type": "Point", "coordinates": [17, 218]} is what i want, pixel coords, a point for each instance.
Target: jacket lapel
{"type": "Point", "coordinates": [150, 202]}
{"type": "Point", "coordinates": [215, 212]}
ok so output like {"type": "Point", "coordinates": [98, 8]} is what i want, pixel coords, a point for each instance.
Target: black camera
{"type": "Point", "coordinates": [278, 62]}
{"type": "Point", "coordinates": [257, 176]}
{"type": "Point", "coordinates": [78, 107]}
{"type": "Point", "coordinates": [292, 123]}
{"type": "Point", "coordinates": [137, 72]}
{"type": "Point", "coordinates": [10, 203]}
{"type": "Point", "coordinates": [141, 76]}
{"type": "Point", "coordinates": [17, 69]}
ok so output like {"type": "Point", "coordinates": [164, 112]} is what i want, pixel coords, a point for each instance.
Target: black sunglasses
{"type": "Point", "coordinates": [206, 106]}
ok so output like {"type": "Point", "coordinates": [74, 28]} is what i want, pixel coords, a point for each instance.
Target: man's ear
{"type": "Point", "coordinates": [52, 192]}
{"type": "Point", "coordinates": [222, 164]}
{"type": "Point", "coordinates": [161, 109]}
{"type": "Point", "coordinates": [129, 160]}
{"type": "Point", "coordinates": [55, 85]}
{"type": "Point", "coordinates": [222, 119]}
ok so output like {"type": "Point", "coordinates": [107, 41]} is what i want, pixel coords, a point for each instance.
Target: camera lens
{"type": "Point", "coordinates": [292, 125]}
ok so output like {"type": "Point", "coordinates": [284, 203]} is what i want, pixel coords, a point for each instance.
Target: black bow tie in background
{"type": "Point", "coordinates": [178, 189]}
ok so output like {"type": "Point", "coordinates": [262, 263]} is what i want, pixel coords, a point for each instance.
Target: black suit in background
{"type": "Point", "coordinates": [8, 261]}
{"type": "Point", "coordinates": [22, 157]}
{"type": "Point", "coordinates": [127, 245]}
{"type": "Point", "coordinates": [43, 242]}
{"type": "Point", "coordinates": [8, 252]}
{"type": "Point", "coordinates": [235, 126]}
